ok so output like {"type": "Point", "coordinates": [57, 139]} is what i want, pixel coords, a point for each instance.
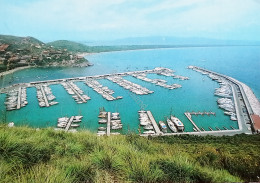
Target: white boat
{"type": "Point", "coordinates": [171, 126]}
{"type": "Point", "coordinates": [163, 126]}
{"type": "Point", "coordinates": [148, 127]}
{"type": "Point", "coordinates": [74, 125]}
{"type": "Point", "coordinates": [149, 132]}
{"type": "Point", "coordinates": [102, 121]}
{"type": "Point", "coordinates": [78, 117]}
{"type": "Point", "coordinates": [102, 128]}
{"type": "Point", "coordinates": [178, 123]}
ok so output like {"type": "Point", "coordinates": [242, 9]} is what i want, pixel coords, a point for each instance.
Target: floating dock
{"type": "Point", "coordinates": [69, 123]}
{"type": "Point", "coordinates": [108, 123]}
{"type": "Point", "coordinates": [44, 97]}
{"type": "Point", "coordinates": [155, 126]}
{"type": "Point", "coordinates": [189, 117]}
{"type": "Point", "coordinates": [76, 92]}
{"type": "Point", "coordinates": [19, 98]}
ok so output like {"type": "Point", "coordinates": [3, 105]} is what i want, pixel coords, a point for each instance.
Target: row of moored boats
{"type": "Point", "coordinates": [174, 124]}
{"type": "Point", "coordinates": [72, 88]}
{"type": "Point", "coordinates": [74, 121]}
{"type": "Point", "coordinates": [128, 85]}
{"type": "Point", "coordinates": [104, 91]}
{"type": "Point", "coordinates": [158, 82]}
{"type": "Point", "coordinates": [12, 99]}
{"type": "Point", "coordinates": [49, 96]}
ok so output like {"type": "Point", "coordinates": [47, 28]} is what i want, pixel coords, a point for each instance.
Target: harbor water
{"type": "Point", "coordinates": [196, 94]}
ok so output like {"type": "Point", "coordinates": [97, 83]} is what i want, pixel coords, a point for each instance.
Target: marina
{"type": "Point", "coordinates": [228, 92]}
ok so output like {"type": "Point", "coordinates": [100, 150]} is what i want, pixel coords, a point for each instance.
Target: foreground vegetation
{"type": "Point", "coordinates": [31, 155]}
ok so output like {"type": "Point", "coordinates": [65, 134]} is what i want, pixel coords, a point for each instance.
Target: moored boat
{"type": "Point", "coordinates": [178, 123]}
{"type": "Point", "coordinates": [163, 126]}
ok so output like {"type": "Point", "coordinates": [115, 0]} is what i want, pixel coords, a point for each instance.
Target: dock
{"type": "Point", "coordinates": [189, 117]}
{"type": "Point", "coordinates": [202, 113]}
{"type": "Point", "coordinates": [76, 92]}
{"type": "Point", "coordinates": [69, 123]}
{"type": "Point", "coordinates": [19, 98]}
{"type": "Point", "coordinates": [44, 97]}
{"type": "Point", "coordinates": [155, 126]}
{"type": "Point", "coordinates": [108, 123]}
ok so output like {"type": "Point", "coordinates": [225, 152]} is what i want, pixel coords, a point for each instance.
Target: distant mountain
{"type": "Point", "coordinates": [70, 45]}
{"type": "Point", "coordinates": [164, 40]}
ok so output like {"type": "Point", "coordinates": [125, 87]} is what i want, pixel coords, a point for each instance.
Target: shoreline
{"type": "Point", "coordinates": [14, 70]}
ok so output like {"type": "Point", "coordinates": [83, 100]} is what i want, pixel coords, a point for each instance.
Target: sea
{"type": "Point", "coordinates": [196, 94]}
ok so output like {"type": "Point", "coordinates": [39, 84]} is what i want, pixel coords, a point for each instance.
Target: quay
{"type": "Point", "coordinates": [188, 115]}
{"type": "Point", "coordinates": [76, 92]}
{"type": "Point", "coordinates": [155, 126]}
{"type": "Point", "coordinates": [69, 123]}
{"type": "Point", "coordinates": [19, 98]}
{"type": "Point", "coordinates": [108, 123]}
{"type": "Point", "coordinates": [44, 97]}
{"type": "Point", "coordinates": [247, 106]}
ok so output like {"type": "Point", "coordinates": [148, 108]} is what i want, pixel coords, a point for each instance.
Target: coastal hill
{"type": "Point", "coordinates": [45, 155]}
{"type": "Point", "coordinates": [79, 47]}
{"type": "Point", "coordinates": [28, 51]}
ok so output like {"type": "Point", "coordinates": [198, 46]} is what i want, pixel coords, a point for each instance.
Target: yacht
{"type": "Point", "coordinates": [178, 123]}
{"type": "Point", "coordinates": [163, 126]}
{"type": "Point", "coordinates": [171, 126]}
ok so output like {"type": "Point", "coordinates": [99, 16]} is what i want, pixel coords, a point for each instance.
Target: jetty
{"type": "Point", "coordinates": [155, 126]}
{"type": "Point", "coordinates": [44, 96]}
{"type": "Point", "coordinates": [69, 123]}
{"type": "Point", "coordinates": [188, 115]}
{"type": "Point", "coordinates": [76, 92]}
{"type": "Point", "coordinates": [108, 123]}
{"type": "Point", "coordinates": [19, 98]}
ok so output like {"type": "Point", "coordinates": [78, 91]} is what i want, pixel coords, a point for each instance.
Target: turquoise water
{"type": "Point", "coordinates": [196, 94]}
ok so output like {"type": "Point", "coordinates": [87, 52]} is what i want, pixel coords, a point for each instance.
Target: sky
{"type": "Point", "coordinates": [85, 20]}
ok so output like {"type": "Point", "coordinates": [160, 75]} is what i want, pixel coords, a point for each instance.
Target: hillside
{"type": "Point", "coordinates": [45, 155]}
{"type": "Point", "coordinates": [28, 51]}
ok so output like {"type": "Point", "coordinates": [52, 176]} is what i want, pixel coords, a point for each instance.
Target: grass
{"type": "Point", "coordinates": [30, 155]}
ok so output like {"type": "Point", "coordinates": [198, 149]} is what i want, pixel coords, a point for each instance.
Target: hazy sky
{"type": "Point", "coordinates": [112, 19]}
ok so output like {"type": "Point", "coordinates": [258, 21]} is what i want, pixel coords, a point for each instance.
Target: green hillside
{"type": "Point", "coordinates": [70, 45]}
{"type": "Point", "coordinates": [78, 47]}
{"type": "Point", "coordinates": [45, 155]}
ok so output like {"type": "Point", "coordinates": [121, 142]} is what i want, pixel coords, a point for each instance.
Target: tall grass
{"type": "Point", "coordinates": [29, 155]}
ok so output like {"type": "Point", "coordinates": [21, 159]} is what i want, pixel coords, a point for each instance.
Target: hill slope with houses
{"type": "Point", "coordinates": [28, 51]}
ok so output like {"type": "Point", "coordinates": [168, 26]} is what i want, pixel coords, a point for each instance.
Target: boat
{"type": "Point", "coordinates": [149, 132]}
{"type": "Point", "coordinates": [178, 123]}
{"type": "Point", "coordinates": [148, 127]}
{"type": "Point", "coordinates": [163, 126]}
{"type": "Point", "coordinates": [102, 121]}
{"type": "Point", "coordinates": [74, 125]}
{"type": "Point", "coordinates": [171, 126]}
{"type": "Point", "coordinates": [78, 117]}
{"type": "Point", "coordinates": [102, 128]}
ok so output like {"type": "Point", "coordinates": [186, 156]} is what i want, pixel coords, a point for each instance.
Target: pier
{"type": "Point", "coordinates": [155, 126]}
{"type": "Point", "coordinates": [108, 123]}
{"type": "Point", "coordinates": [19, 98]}
{"type": "Point", "coordinates": [189, 117]}
{"type": "Point", "coordinates": [243, 99]}
{"type": "Point", "coordinates": [76, 92]}
{"type": "Point", "coordinates": [44, 97]}
{"type": "Point", "coordinates": [69, 123]}
{"type": "Point", "coordinates": [202, 113]}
